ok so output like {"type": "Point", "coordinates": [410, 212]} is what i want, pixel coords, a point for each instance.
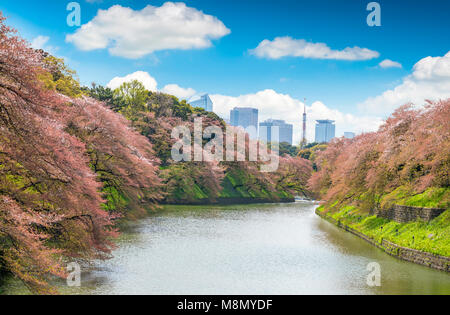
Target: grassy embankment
{"type": "Point", "coordinates": [235, 186]}
{"type": "Point", "coordinates": [433, 237]}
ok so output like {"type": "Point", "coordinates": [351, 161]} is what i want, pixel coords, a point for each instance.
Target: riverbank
{"type": "Point", "coordinates": [228, 201]}
{"type": "Point", "coordinates": [265, 249]}
{"type": "Point", "coordinates": [427, 259]}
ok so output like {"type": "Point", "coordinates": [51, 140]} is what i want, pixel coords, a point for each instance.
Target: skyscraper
{"type": "Point", "coordinates": [285, 131]}
{"type": "Point", "coordinates": [246, 118]}
{"type": "Point", "coordinates": [325, 131]}
{"type": "Point", "coordinates": [204, 102]}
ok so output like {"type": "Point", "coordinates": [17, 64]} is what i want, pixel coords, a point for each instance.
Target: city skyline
{"type": "Point", "coordinates": [273, 57]}
{"type": "Point", "coordinates": [284, 130]}
{"type": "Point", "coordinates": [202, 101]}
{"type": "Point", "coordinates": [247, 117]}
{"type": "Point", "coordinates": [325, 131]}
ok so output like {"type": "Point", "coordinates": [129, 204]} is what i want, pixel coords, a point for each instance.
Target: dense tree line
{"type": "Point", "coordinates": [63, 160]}
{"type": "Point", "coordinates": [75, 160]}
{"type": "Point", "coordinates": [49, 197]}
{"type": "Point", "coordinates": [156, 114]}
{"type": "Point", "coordinates": [407, 156]}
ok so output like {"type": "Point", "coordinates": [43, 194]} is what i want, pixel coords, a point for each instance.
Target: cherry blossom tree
{"type": "Point", "coordinates": [411, 150]}
{"type": "Point", "coordinates": [50, 197]}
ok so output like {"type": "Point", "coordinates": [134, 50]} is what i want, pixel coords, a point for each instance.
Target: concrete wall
{"type": "Point", "coordinates": [407, 254]}
{"type": "Point", "coordinates": [404, 214]}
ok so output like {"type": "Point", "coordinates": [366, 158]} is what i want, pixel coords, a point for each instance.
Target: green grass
{"type": "Point", "coordinates": [191, 192]}
{"type": "Point", "coordinates": [433, 237]}
{"type": "Point", "coordinates": [432, 198]}
{"type": "Point", "coordinates": [236, 184]}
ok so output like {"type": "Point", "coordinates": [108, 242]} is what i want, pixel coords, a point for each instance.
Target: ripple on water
{"type": "Point", "coordinates": [249, 249]}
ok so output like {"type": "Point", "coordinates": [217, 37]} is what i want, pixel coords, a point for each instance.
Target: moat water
{"type": "Point", "coordinates": [246, 249]}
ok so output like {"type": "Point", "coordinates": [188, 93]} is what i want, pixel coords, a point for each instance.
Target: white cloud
{"type": "Point", "coordinates": [134, 34]}
{"type": "Point", "coordinates": [270, 104]}
{"type": "Point", "coordinates": [181, 93]}
{"type": "Point", "coordinates": [282, 106]}
{"type": "Point", "coordinates": [144, 77]}
{"type": "Point", "coordinates": [151, 84]}
{"type": "Point", "coordinates": [287, 46]}
{"type": "Point", "coordinates": [41, 42]}
{"type": "Point", "coordinates": [387, 63]}
{"type": "Point", "coordinates": [430, 79]}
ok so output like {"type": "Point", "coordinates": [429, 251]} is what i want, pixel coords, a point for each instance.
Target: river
{"type": "Point", "coordinates": [247, 249]}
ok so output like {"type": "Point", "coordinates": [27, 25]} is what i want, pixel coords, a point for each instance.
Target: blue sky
{"type": "Point", "coordinates": [411, 30]}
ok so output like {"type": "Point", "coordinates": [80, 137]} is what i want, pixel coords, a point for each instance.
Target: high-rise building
{"type": "Point", "coordinates": [204, 102]}
{"type": "Point", "coordinates": [285, 131]}
{"type": "Point", "coordinates": [349, 135]}
{"type": "Point", "coordinates": [246, 118]}
{"type": "Point", "coordinates": [325, 131]}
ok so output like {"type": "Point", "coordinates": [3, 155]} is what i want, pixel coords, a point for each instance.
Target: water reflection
{"type": "Point", "coordinates": [248, 249]}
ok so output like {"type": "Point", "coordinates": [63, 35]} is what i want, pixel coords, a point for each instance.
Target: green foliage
{"type": "Point", "coordinates": [234, 186]}
{"type": "Point", "coordinates": [311, 145]}
{"type": "Point", "coordinates": [310, 151]}
{"type": "Point", "coordinates": [286, 149]}
{"type": "Point", "coordinates": [181, 109]}
{"type": "Point", "coordinates": [405, 163]}
{"type": "Point", "coordinates": [433, 237]}
{"type": "Point", "coordinates": [213, 116]}
{"type": "Point", "coordinates": [231, 188]}
{"type": "Point", "coordinates": [116, 201]}
{"type": "Point", "coordinates": [238, 183]}
{"type": "Point", "coordinates": [133, 100]}
{"type": "Point", "coordinates": [434, 197]}
{"type": "Point", "coordinates": [134, 97]}
{"type": "Point", "coordinates": [186, 187]}
{"type": "Point", "coordinates": [154, 115]}
{"type": "Point", "coordinates": [182, 185]}
{"type": "Point", "coordinates": [164, 105]}
{"type": "Point", "coordinates": [99, 92]}
{"type": "Point", "coordinates": [60, 77]}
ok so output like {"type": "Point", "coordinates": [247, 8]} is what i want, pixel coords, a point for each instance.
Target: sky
{"type": "Point", "coordinates": [271, 55]}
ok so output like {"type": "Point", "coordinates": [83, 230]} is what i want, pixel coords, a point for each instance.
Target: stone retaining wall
{"type": "Point", "coordinates": [407, 254]}
{"type": "Point", "coordinates": [404, 214]}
